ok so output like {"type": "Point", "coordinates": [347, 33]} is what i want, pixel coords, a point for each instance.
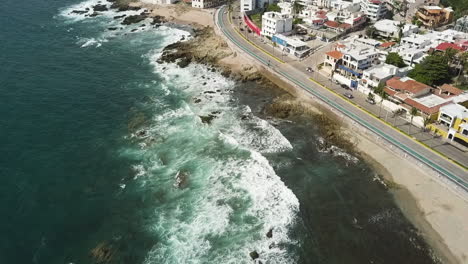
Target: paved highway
{"type": "Point", "coordinates": [440, 164]}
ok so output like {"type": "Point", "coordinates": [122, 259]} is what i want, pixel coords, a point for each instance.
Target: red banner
{"type": "Point", "coordinates": [251, 25]}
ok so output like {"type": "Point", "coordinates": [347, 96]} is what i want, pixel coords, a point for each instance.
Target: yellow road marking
{"type": "Point", "coordinates": [389, 125]}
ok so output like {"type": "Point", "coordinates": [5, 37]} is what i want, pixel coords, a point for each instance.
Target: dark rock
{"type": "Point", "coordinates": [94, 14]}
{"type": "Point", "coordinates": [213, 69]}
{"type": "Point", "coordinates": [181, 180]}
{"type": "Point", "coordinates": [216, 112]}
{"type": "Point", "coordinates": [204, 83]}
{"type": "Point", "coordinates": [118, 17]}
{"type": "Point", "coordinates": [79, 12]}
{"type": "Point", "coordinates": [269, 234]}
{"type": "Point", "coordinates": [208, 92]}
{"type": "Point", "coordinates": [112, 28]}
{"type": "Point", "coordinates": [143, 25]}
{"type": "Point", "coordinates": [133, 30]}
{"type": "Point", "coordinates": [100, 8]}
{"type": "Point", "coordinates": [158, 20]}
{"type": "Point", "coordinates": [197, 100]}
{"type": "Point", "coordinates": [207, 119]}
{"type": "Point", "coordinates": [134, 19]}
{"type": "Point", "coordinates": [142, 133]}
{"type": "Point", "coordinates": [184, 62]}
{"type": "Point", "coordinates": [254, 255]}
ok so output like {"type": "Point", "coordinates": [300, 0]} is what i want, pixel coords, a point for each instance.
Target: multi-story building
{"type": "Point", "coordinates": [249, 5]}
{"type": "Point", "coordinates": [413, 5]}
{"type": "Point", "coordinates": [416, 41]}
{"type": "Point", "coordinates": [275, 23]}
{"type": "Point", "coordinates": [356, 58]}
{"type": "Point", "coordinates": [452, 123]}
{"type": "Point", "coordinates": [434, 16]}
{"type": "Point", "coordinates": [374, 9]}
{"type": "Point", "coordinates": [461, 24]}
{"type": "Point", "coordinates": [207, 3]}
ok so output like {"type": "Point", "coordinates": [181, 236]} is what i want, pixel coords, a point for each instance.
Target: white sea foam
{"type": "Point", "coordinates": [225, 185]}
{"type": "Point", "coordinates": [234, 196]}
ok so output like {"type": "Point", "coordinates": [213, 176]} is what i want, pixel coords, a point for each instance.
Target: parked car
{"type": "Point", "coordinates": [370, 101]}
{"type": "Point", "coordinates": [348, 95]}
{"type": "Point", "coordinates": [309, 69]}
{"type": "Point", "coordinates": [346, 87]}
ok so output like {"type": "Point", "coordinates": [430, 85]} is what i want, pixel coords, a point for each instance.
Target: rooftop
{"type": "Point", "coordinates": [332, 24]}
{"type": "Point", "coordinates": [387, 25]}
{"type": "Point", "coordinates": [387, 44]}
{"type": "Point", "coordinates": [448, 45]}
{"type": "Point", "coordinates": [406, 84]}
{"type": "Point", "coordinates": [451, 89]}
{"type": "Point", "coordinates": [455, 110]}
{"type": "Point", "coordinates": [335, 54]}
{"type": "Point", "coordinates": [429, 104]}
{"type": "Point", "coordinates": [382, 71]}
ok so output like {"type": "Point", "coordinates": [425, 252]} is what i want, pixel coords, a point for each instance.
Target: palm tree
{"type": "Point", "coordinates": [297, 7]}
{"type": "Point", "coordinates": [427, 121]}
{"type": "Point", "coordinates": [413, 113]}
{"type": "Point", "coordinates": [383, 96]}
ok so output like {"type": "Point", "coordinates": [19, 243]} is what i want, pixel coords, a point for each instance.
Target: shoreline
{"type": "Point", "coordinates": [428, 204]}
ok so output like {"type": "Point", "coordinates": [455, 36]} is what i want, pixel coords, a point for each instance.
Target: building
{"type": "Point", "coordinates": [434, 16]}
{"type": "Point", "coordinates": [447, 91]}
{"type": "Point", "coordinates": [164, 2]}
{"type": "Point", "coordinates": [373, 9]}
{"type": "Point", "coordinates": [413, 5]}
{"type": "Point", "coordinates": [356, 58]}
{"type": "Point", "coordinates": [447, 45]}
{"type": "Point", "coordinates": [391, 28]}
{"type": "Point", "coordinates": [332, 59]}
{"type": "Point", "coordinates": [379, 74]}
{"type": "Point", "coordinates": [462, 24]}
{"type": "Point", "coordinates": [399, 89]}
{"type": "Point", "coordinates": [410, 55]}
{"type": "Point", "coordinates": [292, 46]}
{"type": "Point", "coordinates": [275, 23]}
{"type": "Point", "coordinates": [207, 3]}
{"type": "Point", "coordinates": [452, 123]}
{"type": "Point", "coordinates": [247, 5]}
{"type": "Point", "coordinates": [286, 8]}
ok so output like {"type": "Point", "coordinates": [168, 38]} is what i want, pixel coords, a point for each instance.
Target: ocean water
{"type": "Point", "coordinates": [106, 158]}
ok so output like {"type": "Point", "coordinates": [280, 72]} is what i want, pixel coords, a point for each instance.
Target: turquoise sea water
{"type": "Point", "coordinates": [104, 150]}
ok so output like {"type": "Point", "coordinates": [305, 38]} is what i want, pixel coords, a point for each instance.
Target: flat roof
{"type": "Point", "coordinates": [455, 110]}
{"type": "Point", "coordinates": [430, 100]}
{"type": "Point", "coordinates": [382, 70]}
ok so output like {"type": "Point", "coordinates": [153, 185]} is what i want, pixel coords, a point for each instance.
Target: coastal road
{"type": "Point", "coordinates": [440, 164]}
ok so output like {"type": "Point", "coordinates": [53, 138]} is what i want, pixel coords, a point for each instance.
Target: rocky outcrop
{"type": "Point", "coordinates": [134, 19]}
{"type": "Point", "coordinates": [206, 48]}
{"type": "Point", "coordinates": [100, 8]}
{"type": "Point", "coordinates": [103, 253]}
{"type": "Point", "coordinates": [254, 255]}
{"type": "Point", "coordinates": [269, 234]}
{"type": "Point", "coordinates": [181, 180]}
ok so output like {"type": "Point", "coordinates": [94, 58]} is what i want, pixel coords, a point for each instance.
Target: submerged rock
{"type": "Point", "coordinates": [269, 234]}
{"type": "Point", "coordinates": [181, 180]}
{"type": "Point", "coordinates": [112, 28]}
{"type": "Point", "coordinates": [103, 253]}
{"type": "Point", "coordinates": [207, 119]}
{"type": "Point", "coordinates": [119, 17]}
{"type": "Point", "coordinates": [254, 255]}
{"type": "Point", "coordinates": [158, 20]}
{"type": "Point", "coordinates": [79, 12]}
{"type": "Point", "coordinates": [183, 62]}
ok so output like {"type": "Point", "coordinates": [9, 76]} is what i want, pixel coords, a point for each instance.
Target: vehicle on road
{"type": "Point", "coordinates": [309, 69]}
{"type": "Point", "coordinates": [370, 101]}
{"type": "Point", "coordinates": [348, 95]}
{"type": "Point", "coordinates": [344, 86]}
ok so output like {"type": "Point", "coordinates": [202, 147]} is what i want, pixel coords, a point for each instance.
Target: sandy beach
{"type": "Point", "coordinates": [433, 205]}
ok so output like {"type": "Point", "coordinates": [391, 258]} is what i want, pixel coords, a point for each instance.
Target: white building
{"type": "Point", "coordinates": [247, 5]}
{"type": "Point", "coordinates": [391, 28]}
{"type": "Point", "coordinates": [286, 8]}
{"type": "Point", "coordinates": [275, 23]}
{"type": "Point", "coordinates": [374, 9]}
{"type": "Point", "coordinates": [416, 41]}
{"type": "Point", "coordinates": [207, 3]}
{"type": "Point", "coordinates": [372, 77]}
{"type": "Point", "coordinates": [292, 46]}
{"type": "Point", "coordinates": [410, 55]}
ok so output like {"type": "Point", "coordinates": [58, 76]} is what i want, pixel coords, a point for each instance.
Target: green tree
{"type": "Point", "coordinates": [371, 31]}
{"type": "Point", "coordinates": [413, 113]}
{"type": "Point", "coordinates": [433, 70]}
{"type": "Point", "coordinates": [297, 8]}
{"type": "Point", "coordinates": [273, 8]}
{"type": "Point", "coordinates": [370, 96]}
{"type": "Point", "coordinates": [394, 58]}
{"type": "Point", "coordinates": [450, 54]}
